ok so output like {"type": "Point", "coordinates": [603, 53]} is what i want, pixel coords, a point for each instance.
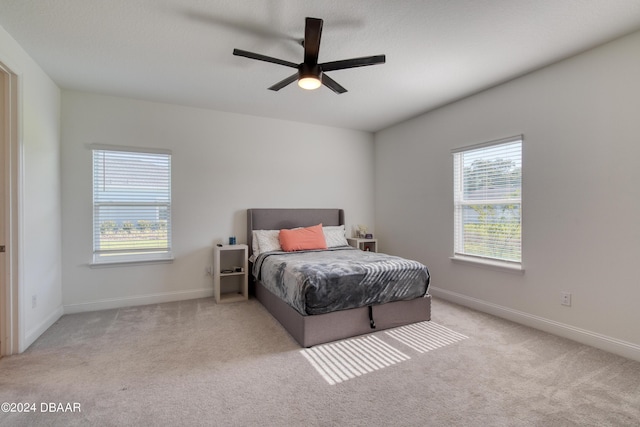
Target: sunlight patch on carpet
{"type": "Point", "coordinates": [425, 336]}
{"type": "Point", "coordinates": [347, 359]}
{"type": "Point", "coordinates": [343, 360]}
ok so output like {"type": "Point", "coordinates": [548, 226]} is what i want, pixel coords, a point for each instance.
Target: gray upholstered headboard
{"type": "Point", "coordinates": [277, 219]}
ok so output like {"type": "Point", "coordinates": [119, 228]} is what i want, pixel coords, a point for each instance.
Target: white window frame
{"type": "Point", "coordinates": [129, 255]}
{"type": "Point", "coordinates": [459, 252]}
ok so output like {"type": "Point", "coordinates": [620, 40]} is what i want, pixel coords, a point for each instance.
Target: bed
{"type": "Point", "coordinates": [313, 323]}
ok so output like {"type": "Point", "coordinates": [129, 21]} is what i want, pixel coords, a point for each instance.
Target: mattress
{"type": "Point", "coordinates": [323, 281]}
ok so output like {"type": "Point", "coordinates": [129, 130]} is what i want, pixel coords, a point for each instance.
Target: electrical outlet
{"type": "Point", "coordinates": [565, 298]}
{"type": "Point", "coordinates": [34, 301]}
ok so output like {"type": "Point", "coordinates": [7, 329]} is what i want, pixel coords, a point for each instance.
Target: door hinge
{"type": "Point", "coordinates": [2, 248]}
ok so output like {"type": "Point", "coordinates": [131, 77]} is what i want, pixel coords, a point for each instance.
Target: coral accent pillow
{"type": "Point", "coordinates": [300, 239]}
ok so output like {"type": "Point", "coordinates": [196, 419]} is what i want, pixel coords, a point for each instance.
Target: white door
{"type": "Point", "coordinates": [4, 101]}
{"type": "Point", "coordinates": [9, 161]}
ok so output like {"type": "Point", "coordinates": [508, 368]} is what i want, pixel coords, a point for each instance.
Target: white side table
{"type": "Point", "coordinates": [230, 275]}
{"type": "Point", "coordinates": [363, 244]}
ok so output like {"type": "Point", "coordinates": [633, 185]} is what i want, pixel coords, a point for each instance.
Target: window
{"type": "Point", "coordinates": [131, 205]}
{"type": "Point", "coordinates": [487, 201]}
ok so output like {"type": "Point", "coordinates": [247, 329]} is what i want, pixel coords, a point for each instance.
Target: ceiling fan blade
{"type": "Point", "coordinates": [312, 34]}
{"type": "Point", "coordinates": [352, 63]}
{"type": "Point", "coordinates": [259, 57]}
{"type": "Point", "coordinates": [332, 84]}
{"type": "Point", "coordinates": [292, 78]}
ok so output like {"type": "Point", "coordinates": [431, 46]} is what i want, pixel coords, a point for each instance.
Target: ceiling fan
{"type": "Point", "coordinates": [310, 74]}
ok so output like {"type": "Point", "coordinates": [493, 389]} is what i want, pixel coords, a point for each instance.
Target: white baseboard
{"type": "Point", "coordinates": [34, 333]}
{"type": "Point", "coordinates": [106, 304]}
{"type": "Point", "coordinates": [594, 339]}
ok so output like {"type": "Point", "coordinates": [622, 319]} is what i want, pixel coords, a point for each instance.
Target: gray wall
{"type": "Point", "coordinates": [222, 164]}
{"type": "Point", "coordinates": [39, 214]}
{"type": "Point", "coordinates": [581, 202]}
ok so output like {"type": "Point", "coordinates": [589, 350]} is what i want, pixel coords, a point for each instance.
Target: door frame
{"type": "Point", "coordinates": [12, 211]}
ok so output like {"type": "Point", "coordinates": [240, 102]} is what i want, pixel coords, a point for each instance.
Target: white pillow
{"type": "Point", "coordinates": [268, 240]}
{"type": "Point", "coordinates": [335, 236]}
{"type": "Point", "coordinates": [255, 246]}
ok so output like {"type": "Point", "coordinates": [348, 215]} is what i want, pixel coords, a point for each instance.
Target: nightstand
{"type": "Point", "coordinates": [230, 275]}
{"type": "Point", "coordinates": [363, 244]}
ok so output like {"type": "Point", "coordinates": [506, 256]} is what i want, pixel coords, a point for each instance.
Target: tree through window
{"type": "Point", "coordinates": [131, 205]}
{"type": "Point", "coordinates": [487, 200]}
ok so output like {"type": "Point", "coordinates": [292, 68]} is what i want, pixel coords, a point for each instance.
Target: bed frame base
{"type": "Point", "coordinates": [322, 328]}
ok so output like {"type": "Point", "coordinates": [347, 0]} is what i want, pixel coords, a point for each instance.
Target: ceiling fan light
{"type": "Point", "coordinates": [309, 83]}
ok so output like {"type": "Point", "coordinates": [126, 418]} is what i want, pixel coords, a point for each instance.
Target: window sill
{"type": "Point", "coordinates": [130, 262]}
{"type": "Point", "coordinates": [490, 264]}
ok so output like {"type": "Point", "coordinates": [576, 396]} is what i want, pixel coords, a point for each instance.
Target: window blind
{"type": "Point", "coordinates": [487, 200]}
{"type": "Point", "coordinates": [131, 205]}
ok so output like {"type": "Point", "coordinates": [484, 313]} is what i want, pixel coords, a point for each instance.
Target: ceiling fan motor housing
{"type": "Point", "coordinates": [309, 70]}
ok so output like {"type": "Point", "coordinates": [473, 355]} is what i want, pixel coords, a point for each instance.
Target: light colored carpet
{"type": "Point", "coordinates": [197, 363]}
{"type": "Point", "coordinates": [350, 358]}
{"type": "Point", "coordinates": [343, 360]}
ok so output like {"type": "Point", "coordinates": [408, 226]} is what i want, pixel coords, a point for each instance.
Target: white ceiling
{"type": "Point", "coordinates": [180, 51]}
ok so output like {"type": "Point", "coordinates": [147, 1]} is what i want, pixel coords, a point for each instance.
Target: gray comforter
{"type": "Point", "coordinates": [322, 281]}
